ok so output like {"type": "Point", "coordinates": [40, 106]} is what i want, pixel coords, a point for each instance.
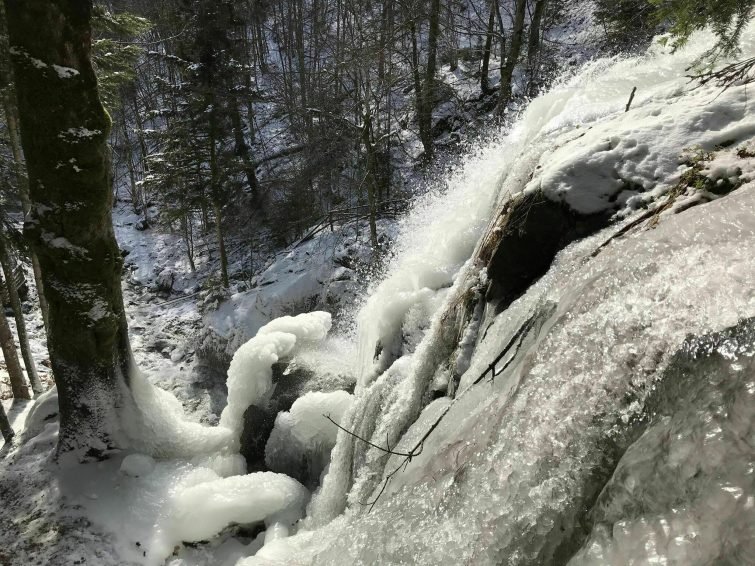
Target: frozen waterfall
{"type": "Point", "coordinates": [576, 451]}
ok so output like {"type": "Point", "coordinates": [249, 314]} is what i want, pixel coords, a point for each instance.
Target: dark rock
{"type": "Point", "coordinates": [142, 225]}
{"type": "Point", "coordinates": [531, 231]}
{"type": "Point", "coordinates": [290, 382]}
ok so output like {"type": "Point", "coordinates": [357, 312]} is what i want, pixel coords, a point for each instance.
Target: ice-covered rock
{"type": "Point", "coordinates": [303, 437]}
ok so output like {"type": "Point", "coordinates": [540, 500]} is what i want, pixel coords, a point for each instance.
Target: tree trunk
{"type": "Point", "coordinates": [484, 79]}
{"type": "Point", "coordinates": [242, 150]}
{"type": "Point", "coordinates": [428, 89]}
{"type": "Point", "coordinates": [533, 46]}
{"type": "Point", "coordinates": [515, 49]}
{"type": "Point", "coordinates": [70, 224]}
{"type": "Point", "coordinates": [15, 302]}
{"type": "Point", "coordinates": [371, 178]}
{"type": "Point", "coordinates": [10, 355]}
{"type": "Point", "coordinates": [10, 108]}
{"type": "Point", "coordinates": [216, 205]}
{"type": "Point", "coordinates": [5, 428]}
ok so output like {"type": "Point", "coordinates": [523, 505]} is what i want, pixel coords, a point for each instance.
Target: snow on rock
{"type": "Point", "coordinates": [202, 511]}
{"type": "Point", "coordinates": [250, 374]}
{"type": "Point", "coordinates": [624, 160]}
{"type": "Point", "coordinates": [321, 273]}
{"type": "Point", "coordinates": [156, 424]}
{"type": "Point", "coordinates": [136, 465]}
{"type": "Point", "coordinates": [41, 412]}
{"type": "Point", "coordinates": [165, 280]}
{"type": "Point", "coordinates": [303, 437]}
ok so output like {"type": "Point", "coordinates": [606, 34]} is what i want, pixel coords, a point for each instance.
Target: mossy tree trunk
{"type": "Point", "coordinates": [64, 132]}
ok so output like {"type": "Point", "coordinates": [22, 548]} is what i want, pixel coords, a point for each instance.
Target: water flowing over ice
{"type": "Point", "coordinates": [513, 468]}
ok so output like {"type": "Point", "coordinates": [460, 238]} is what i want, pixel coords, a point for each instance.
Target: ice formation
{"type": "Point", "coordinates": [256, 358]}
{"type": "Point", "coordinates": [305, 435]}
{"type": "Point", "coordinates": [511, 468]}
{"type": "Point", "coordinates": [203, 510]}
{"type": "Point", "coordinates": [186, 481]}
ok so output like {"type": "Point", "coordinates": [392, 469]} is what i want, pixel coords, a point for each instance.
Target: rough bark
{"type": "Point", "coordinates": [5, 428]}
{"type": "Point", "coordinates": [428, 89]}
{"type": "Point", "coordinates": [485, 70]}
{"type": "Point", "coordinates": [64, 131]}
{"type": "Point", "coordinates": [507, 72]}
{"type": "Point", "coordinates": [15, 303]}
{"type": "Point", "coordinates": [10, 355]}
{"type": "Point", "coordinates": [10, 109]}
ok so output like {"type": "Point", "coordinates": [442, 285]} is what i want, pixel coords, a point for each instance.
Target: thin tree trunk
{"type": "Point", "coordinates": [10, 355]}
{"type": "Point", "coordinates": [242, 150]}
{"type": "Point", "coordinates": [5, 428]}
{"type": "Point", "coordinates": [11, 119]}
{"type": "Point", "coordinates": [534, 43]}
{"type": "Point", "coordinates": [484, 79]}
{"type": "Point", "coordinates": [515, 48]}
{"type": "Point", "coordinates": [428, 90]}
{"type": "Point", "coordinates": [188, 238]}
{"type": "Point", "coordinates": [372, 177]}
{"type": "Point", "coordinates": [216, 206]}
{"type": "Point", "coordinates": [15, 301]}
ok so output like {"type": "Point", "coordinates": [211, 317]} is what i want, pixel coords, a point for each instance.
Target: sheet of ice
{"type": "Point", "coordinates": [508, 471]}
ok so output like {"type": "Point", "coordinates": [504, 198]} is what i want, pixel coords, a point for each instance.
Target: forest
{"type": "Point", "coordinates": [391, 282]}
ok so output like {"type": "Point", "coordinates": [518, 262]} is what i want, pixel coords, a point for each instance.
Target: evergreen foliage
{"type": "Point", "coordinates": [114, 54]}
{"type": "Point", "coordinates": [727, 18]}
{"type": "Point", "coordinates": [635, 21]}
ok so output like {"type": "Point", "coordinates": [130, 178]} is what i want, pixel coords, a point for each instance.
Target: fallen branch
{"type": "Point", "coordinates": [631, 99]}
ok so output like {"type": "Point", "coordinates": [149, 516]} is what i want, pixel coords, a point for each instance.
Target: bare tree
{"type": "Point", "coordinates": [15, 303]}
{"type": "Point", "coordinates": [512, 58]}
{"type": "Point", "coordinates": [10, 354]}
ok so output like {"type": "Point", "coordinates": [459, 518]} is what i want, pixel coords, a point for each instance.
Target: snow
{"type": "Point", "coordinates": [136, 465]}
{"type": "Point", "coordinates": [77, 134]}
{"type": "Point", "coordinates": [250, 374]}
{"type": "Point", "coordinates": [202, 511]}
{"type": "Point", "coordinates": [322, 271]}
{"type": "Point", "coordinates": [65, 72]}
